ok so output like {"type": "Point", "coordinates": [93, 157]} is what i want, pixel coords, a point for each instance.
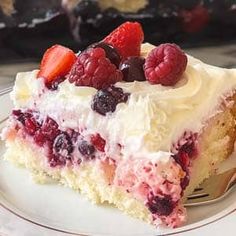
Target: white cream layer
{"type": "Point", "coordinates": [154, 117]}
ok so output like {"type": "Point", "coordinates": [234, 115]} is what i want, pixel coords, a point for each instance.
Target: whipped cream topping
{"type": "Point", "coordinates": [153, 118]}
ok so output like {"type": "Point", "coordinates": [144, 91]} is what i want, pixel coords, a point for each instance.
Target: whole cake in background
{"type": "Point", "coordinates": [131, 124]}
{"type": "Point", "coordinates": [187, 22]}
{"type": "Point", "coordinates": [28, 27]}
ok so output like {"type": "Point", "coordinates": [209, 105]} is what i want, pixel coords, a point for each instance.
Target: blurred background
{"type": "Point", "coordinates": [204, 28]}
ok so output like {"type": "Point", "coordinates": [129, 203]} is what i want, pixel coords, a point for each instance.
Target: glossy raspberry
{"type": "Point", "coordinates": [63, 145]}
{"type": "Point", "coordinates": [111, 53]}
{"type": "Point", "coordinates": [106, 100]}
{"type": "Point", "coordinates": [127, 39]}
{"type": "Point", "coordinates": [98, 142]}
{"type": "Point", "coordinates": [94, 69]}
{"type": "Point", "coordinates": [132, 69]}
{"type": "Point", "coordinates": [195, 19]}
{"type": "Point", "coordinates": [86, 149]}
{"type": "Point", "coordinates": [162, 206]}
{"type": "Point", "coordinates": [165, 64]}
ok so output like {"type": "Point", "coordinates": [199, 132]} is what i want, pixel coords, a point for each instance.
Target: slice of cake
{"type": "Point", "coordinates": [137, 126]}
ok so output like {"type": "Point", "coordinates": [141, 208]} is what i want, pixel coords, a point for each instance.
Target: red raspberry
{"type": "Point", "coordinates": [194, 20]}
{"type": "Point", "coordinates": [127, 39]}
{"type": "Point", "coordinates": [92, 68]}
{"type": "Point", "coordinates": [98, 142]}
{"type": "Point", "coordinates": [165, 64]}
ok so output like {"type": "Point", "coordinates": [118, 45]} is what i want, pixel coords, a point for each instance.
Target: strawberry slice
{"type": "Point", "coordinates": [57, 62]}
{"type": "Point", "coordinates": [127, 39]}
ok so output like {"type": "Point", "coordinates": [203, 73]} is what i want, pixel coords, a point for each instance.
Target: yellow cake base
{"type": "Point", "coordinates": [87, 178]}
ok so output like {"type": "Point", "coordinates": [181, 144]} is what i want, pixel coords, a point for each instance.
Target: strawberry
{"type": "Point", "coordinates": [127, 39]}
{"type": "Point", "coordinates": [57, 62]}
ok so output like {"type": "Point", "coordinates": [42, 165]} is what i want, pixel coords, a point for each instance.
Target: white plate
{"type": "Point", "coordinates": [54, 210]}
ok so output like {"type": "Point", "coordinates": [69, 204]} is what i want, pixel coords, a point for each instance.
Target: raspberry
{"type": "Point", "coordinates": [98, 142]}
{"type": "Point", "coordinates": [111, 53]}
{"type": "Point", "coordinates": [194, 20]}
{"type": "Point", "coordinates": [93, 69]}
{"type": "Point", "coordinates": [165, 64]}
{"type": "Point", "coordinates": [127, 39]}
{"type": "Point", "coordinates": [31, 126]}
{"type": "Point", "coordinates": [47, 132]}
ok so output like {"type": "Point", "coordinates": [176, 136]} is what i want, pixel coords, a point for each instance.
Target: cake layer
{"type": "Point", "coordinates": [101, 179]}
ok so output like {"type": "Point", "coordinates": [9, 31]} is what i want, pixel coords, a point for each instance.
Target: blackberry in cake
{"type": "Point", "coordinates": [135, 125]}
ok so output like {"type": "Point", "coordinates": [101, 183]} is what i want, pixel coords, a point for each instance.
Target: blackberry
{"type": "Point", "coordinates": [106, 100]}
{"type": "Point", "coordinates": [132, 69]}
{"type": "Point", "coordinates": [161, 206]}
{"type": "Point", "coordinates": [63, 145]}
{"type": "Point", "coordinates": [86, 149]}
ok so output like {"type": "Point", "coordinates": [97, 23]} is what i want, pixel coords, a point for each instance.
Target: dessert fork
{"type": "Point", "coordinates": [5, 90]}
{"type": "Point", "coordinates": [213, 189]}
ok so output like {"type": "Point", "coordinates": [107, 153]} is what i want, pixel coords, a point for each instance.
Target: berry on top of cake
{"type": "Point", "coordinates": [136, 125]}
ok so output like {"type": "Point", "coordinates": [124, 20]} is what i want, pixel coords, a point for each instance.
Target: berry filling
{"type": "Point", "coordinates": [86, 149]}
{"type": "Point", "coordinates": [61, 145]}
{"type": "Point", "coordinates": [162, 206]}
{"type": "Point", "coordinates": [185, 150]}
{"type": "Point", "coordinates": [98, 142]}
{"type": "Point", "coordinates": [146, 180]}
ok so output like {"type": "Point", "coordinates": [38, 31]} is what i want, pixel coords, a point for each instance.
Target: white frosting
{"type": "Point", "coordinates": [154, 117]}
